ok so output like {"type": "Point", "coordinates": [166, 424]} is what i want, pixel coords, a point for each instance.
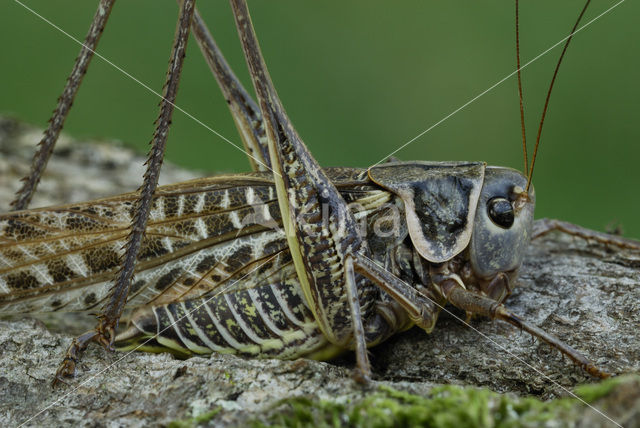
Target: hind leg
{"type": "Point", "coordinates": [543, 226]}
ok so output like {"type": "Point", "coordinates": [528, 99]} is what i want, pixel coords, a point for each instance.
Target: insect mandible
{"type": "Point", "coordinates": [331, 289]}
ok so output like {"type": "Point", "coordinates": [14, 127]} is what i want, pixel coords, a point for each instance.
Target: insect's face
{"type": "Point", "coordinates": [464, 218]}
{"type": "Point", "coordinates": [502, 230]}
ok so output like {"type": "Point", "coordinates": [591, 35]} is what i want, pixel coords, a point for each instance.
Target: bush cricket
{"type": "Point", "coordinates": [328, 283]}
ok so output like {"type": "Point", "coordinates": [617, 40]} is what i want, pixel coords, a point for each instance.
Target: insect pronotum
{"type": "Point", "coordinates": [324, 287]}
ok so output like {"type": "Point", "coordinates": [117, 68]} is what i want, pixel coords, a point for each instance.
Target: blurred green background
{"type": "Point", "coordinates": [359, 79]}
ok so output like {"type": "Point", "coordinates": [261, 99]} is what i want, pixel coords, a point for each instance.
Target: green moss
{"type": "Point", "coordinates": [593, 391]}
{"type": "Point", "coordinates": [443, 407]}
{"type": "Point", "coordinates": [196, 420]}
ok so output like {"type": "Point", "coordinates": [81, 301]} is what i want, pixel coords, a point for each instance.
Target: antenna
{"type": "Point", "coordinates": [524, 134]}
{"type": "Point", "coordinates": [546, 103]}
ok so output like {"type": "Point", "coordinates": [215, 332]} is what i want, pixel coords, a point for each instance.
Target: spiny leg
{"type": "Point", "coordinates": [420, 308]}
{"type": "Point", "coordinates": [481, 305]}
{"type": "Point", "coordinates": [108, 320]}
{"type": "Point", "coordinates": [543, 226]}
{"type": "Point", "coordinates": [65, 101]}
{"type": "Point", "coordinates": [363, 371]}
{"type": "Point", "coordinates": [244, 110]}
{"type": "Point", "coordinates": [320, 249]}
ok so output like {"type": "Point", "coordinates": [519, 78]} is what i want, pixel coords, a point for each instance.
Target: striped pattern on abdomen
{"type": "Point", "coordinates": [269, 320]}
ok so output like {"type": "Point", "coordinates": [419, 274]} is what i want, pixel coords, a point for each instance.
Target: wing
{"type": "Point", "coordinates": [199, 233]}
{"type": "Point", "coordinates": [202, 235]}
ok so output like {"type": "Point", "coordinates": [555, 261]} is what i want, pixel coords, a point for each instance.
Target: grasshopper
{"type": "Point", "coordinates": [290, 260]}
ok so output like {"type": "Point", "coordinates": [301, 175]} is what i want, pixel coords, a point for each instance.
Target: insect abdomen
{"type": "Point", "coordinates": [271, 320]}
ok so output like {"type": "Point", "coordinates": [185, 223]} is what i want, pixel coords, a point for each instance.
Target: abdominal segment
{"type": "Point", "coordinates": [269, 321]}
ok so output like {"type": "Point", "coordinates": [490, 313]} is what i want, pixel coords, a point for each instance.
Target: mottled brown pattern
{"type": "Point", "coordinates": [79, 223]}
{"type": "Point", "coordinates": [152, 247]}
{"type": "Point", "coordinates": [189, 204]}
{"type": "Point", "coordinates": [101, 259]}
{"type": "Point", "coordinates": [206, 264]}
{"type": "Point", "coordinates": [22, 281]}
{"type": "Point", "coordinates": [168, 279]}
{"type": "Point", "coordinates": [240, 257]}
{"type": "Point", "coordinates": [185, 228]}
{"type": "Point", "coordinates": [17, 229]}
{"type": "Point", "coordinates": [170, 207]}
{"type": "Point", "coordinates": [137, 285]}
{"type": "Point", "coordinates": [90, 299]}
{"type": "Point", "coordinates": [59, 270]}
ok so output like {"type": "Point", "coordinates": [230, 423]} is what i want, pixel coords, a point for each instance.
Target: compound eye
{"type": "Point", "coordinates": [501, 212]}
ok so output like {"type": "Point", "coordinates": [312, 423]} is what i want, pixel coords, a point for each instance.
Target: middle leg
{"type": "Point", "coordinates": [104, 333]}
{"type": "Point", "coordinates": [341, 301]}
